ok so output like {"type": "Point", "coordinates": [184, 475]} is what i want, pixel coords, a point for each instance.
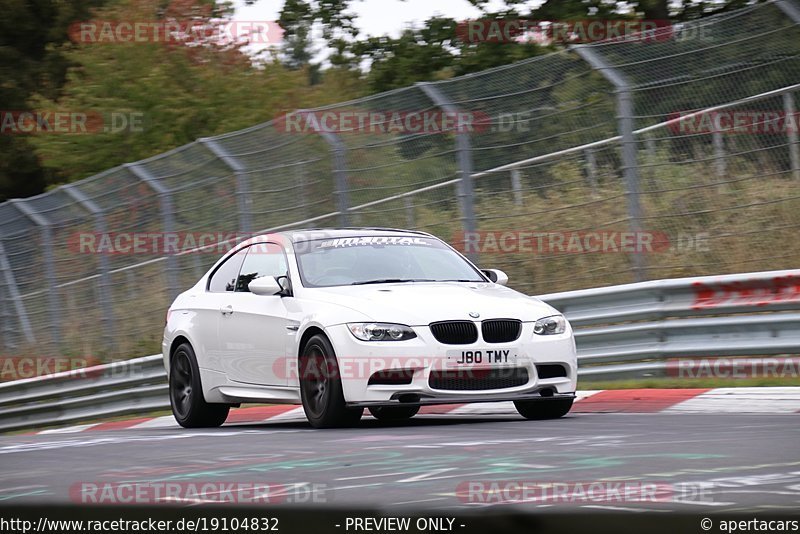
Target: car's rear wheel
{"type": "Point", "coordinates": [321, 387]}
{"type": "Point", "coordinates": [543, 409]}
{"type": "Point", "coordinates": [393, 413]}
{"type": "Point", "coordinates": [186, 393]}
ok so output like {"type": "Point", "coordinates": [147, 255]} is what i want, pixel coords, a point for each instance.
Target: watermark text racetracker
{"type": "Point", "coordinates": [563, 31]}
{"type": "Point", "coordinates": [158, 243]}
{"type": "Point", "coordinates": [120, 524]}
{"type": "Point", "coordinates": [735, 121]}
{"type": "Point", "coordinates": [580, 492]}
{"type": "Point", "coordinates": [69, 367]}
{"type": "Point", "coordinates": [17, 122]}
{"type": "Point", "coordinates": [20, 367]}
{"type": "Point", "coordinates": [578, 242]}
{"type": "Point", "coordinates": [198, 492]}
{"type": "Point", "coordinates": [167, 243]}
{"type": "Point", "coordinates": [99, 32]}
{"type": "Point", "coordinates": [402, 122]}
{"type": "Point", "coordinates": [733, 368]}
{"type": "Point", "coordinates": [397, 370]}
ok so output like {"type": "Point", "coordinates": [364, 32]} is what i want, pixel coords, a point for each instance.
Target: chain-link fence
{"type": "Point", "coordinates": [601, 164]}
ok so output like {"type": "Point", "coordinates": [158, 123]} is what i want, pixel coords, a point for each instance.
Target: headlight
{"type": "Point", "coordinates": [546, 326]}
{"type": "Point", "coordinates": [381, 331]}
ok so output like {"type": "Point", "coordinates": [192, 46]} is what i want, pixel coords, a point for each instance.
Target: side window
{"type": "Point", "coordinates": [263, 259]}
{"type": "Point", "coordinates": [224, 278]}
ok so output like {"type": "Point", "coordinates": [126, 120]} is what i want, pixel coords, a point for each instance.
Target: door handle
{"type": "Point", "coordinates": [226, 310]}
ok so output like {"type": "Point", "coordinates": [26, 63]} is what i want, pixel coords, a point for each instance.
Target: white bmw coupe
{"type": "Point", "coordinates": [345, 319]}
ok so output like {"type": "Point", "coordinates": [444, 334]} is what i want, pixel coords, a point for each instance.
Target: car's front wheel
{"type": "Point", "coordinates": [393, 413]}
{"type": "Point", "coordinates": [543, 409]}
{"type": "Point", "coordinates": [186, 393]}
{"type": "Point", "coordinates": [321, 387]}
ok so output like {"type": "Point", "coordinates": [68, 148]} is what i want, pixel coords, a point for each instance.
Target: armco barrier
{"type": "Point", "coordinates": [621, 331]}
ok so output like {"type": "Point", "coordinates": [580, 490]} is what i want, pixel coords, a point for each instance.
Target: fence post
{"type": "Point", "coordinates": [49, 268]}
{"type": "Point", "coordinates": [342, 192]}
{"type": "Point", "coordinates": [300, 176]}
{"type": "Point", "coordinates": [6, 331]}
{"type": "Point", "coordinates": [793, 12]}
{"type": "Point", "coordinates": [652, 161]}
{"type": "Point", "coordinates": [720, 165]}
{"type": "Point", "coordinates": [790, 9]}
{"type": "Point", "coordinates": [168, 221]}
{"type": "Point", "coordinates": [466, 193]}
{"type": "Point", "coordinates": [13, 293]}
{"type": "Point", "coordinates": [339, 152]}
{"type": "Point", "coordinates": [516, 185]}
{"type": "Point", "coordinates": [243, 201]}
{"type": "Point", "coordinates": [105, 276]}
{"type": "Point", "coordinates": [409, 205]}
{"type": "Point", "coordinates": [591, 170]}
{"type": "Point", "coordinates": [794, 145]}
{"type": "Point", "coordinates": [630, 167]}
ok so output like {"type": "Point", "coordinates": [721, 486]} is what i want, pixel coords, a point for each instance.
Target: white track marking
{"type": "Point", "coordinates": [773, 400]}
{"type": "Point", "coordinates": [506, 407]}
{"type": "Point", "coordinates": [580, 395]}
{"type": "Point", "coordinates": [419, 501]}
{"type": "Point", "coordinates": [165, 421]}
{"type": "Point", "coordinates": [69, 429]}
{"type": "Point", "coordinates": [481, 408]}
{"type": "Point", "coordinates": [371, 476]}
{"type": "Point", "coordinates": [294, 415]}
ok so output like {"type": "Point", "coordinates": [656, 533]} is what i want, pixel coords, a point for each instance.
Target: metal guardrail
{"type": "Point", "coordinates": [121, 388]}
{"type": "Point", "coordinates": [624, 331]}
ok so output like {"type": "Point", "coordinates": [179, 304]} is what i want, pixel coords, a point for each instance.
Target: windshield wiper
{"type": "Point", "coordinates": [389, 281]}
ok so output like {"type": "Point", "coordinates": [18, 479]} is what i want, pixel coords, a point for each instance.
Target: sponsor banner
{"type": "Point", "coordinates": [781, 289]}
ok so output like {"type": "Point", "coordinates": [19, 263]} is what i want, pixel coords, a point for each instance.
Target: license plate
{"type": "Point", "coordinates": [481, 357]}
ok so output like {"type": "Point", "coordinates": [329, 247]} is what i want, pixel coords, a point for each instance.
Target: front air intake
{"type": "Point", "coordinates": [455, 332]}
{"type": "Point", "coordinates": [478, 379]}
{"type": "Point", "coordinates": [501, 330]}
{"type": "Point", "coordinates": [551, 370]}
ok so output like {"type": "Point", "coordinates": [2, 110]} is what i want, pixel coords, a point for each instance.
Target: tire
{"type": "Point", "coordinates": [543, 409]}
{"type": "Point", "coordinates": [393, 413]}
{"type": "Point", "coordinates": [321, 387]}
{"type": "Point", "coordinates": [186, 393]}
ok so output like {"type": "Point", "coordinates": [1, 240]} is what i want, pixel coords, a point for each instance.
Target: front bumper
{"type": "Point", "coordinates": [401, 399]}
{"type": "Point", "coordinates": [358, 360]}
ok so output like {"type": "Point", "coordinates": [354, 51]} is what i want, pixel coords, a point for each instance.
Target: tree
{"type": "Point", "coordinates": [31, 61]}
{"type": "Point", "coordinates": [180, 91]}
{"type": "Point", "coordinates": [435, 50]}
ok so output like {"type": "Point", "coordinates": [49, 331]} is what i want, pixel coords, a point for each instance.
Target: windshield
{"type": "Point", "coordinates": [380, 259]}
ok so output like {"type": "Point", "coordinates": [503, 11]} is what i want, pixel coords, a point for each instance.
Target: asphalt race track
{"type": "Point", "coordinates": [700, 463]}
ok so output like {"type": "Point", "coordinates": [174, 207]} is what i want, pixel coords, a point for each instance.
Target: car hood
{"type": "Point", "coordinates": [417, 304]}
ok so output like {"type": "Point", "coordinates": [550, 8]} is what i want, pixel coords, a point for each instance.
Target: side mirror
{"type": "Point", "coordinates": [496, 275]}
{"type": "Point", "coordinates": [265, 285]}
